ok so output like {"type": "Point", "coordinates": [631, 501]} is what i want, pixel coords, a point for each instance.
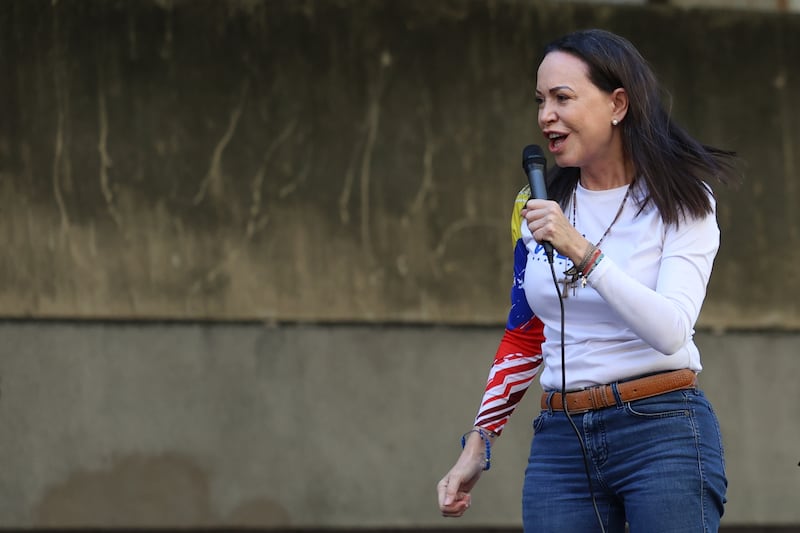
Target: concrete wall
{"type": "Point", "coordinates": [336, 160]}
{"type": "Point", "coordinates": [212, 210]}
{"type": "Point", "coordinates": [188, 425]}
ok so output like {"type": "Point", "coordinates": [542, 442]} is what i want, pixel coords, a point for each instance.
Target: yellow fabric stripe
{"type": "Point", "coordinates": [516, 218]}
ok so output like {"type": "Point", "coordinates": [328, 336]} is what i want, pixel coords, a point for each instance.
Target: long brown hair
{"type": "Point", "coordinates": [674, 166]}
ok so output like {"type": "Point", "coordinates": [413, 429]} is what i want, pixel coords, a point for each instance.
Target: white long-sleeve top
{"type": "Point", "coordinates": [637, 313]}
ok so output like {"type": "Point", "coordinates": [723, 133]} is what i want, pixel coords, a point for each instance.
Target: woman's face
{"type": "Point", "coordinates": [574, 114]}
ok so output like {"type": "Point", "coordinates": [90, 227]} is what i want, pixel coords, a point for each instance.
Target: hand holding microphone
{"type": "Point", "coordinates": [535, 166]}
{"type": "Point", "coordinates": [546, 218]}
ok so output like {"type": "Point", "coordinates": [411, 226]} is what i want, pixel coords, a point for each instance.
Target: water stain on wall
{"type": "Point", "coordinates": [169, 490]}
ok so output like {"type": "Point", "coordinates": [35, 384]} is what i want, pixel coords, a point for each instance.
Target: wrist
{"type": "Point", "coordinates": [477, 443]}
{"type": "Point", "coordinates": [575, 247]}
{"type": "Point", "coordinates": [581, 253]}
{"type": "Point", "coordinates": [579, 263]}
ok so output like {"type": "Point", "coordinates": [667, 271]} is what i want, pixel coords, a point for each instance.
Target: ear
{"type": "Point", "coordinates": [619, 104]}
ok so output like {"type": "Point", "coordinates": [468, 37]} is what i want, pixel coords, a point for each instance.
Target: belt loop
{"type": "Point", "coordinates": [550, 402]}
{"type": "Point", "coordinates": [617, 397]}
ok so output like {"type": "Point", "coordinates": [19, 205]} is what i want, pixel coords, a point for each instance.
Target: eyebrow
{"type": "Point", "coordinates": [557, 88]}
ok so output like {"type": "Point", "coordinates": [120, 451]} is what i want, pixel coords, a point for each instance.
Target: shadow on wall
{"type": "Point", "coordinates": [172, 490]}
{"type": "Point", "coordinates": [168, 490]}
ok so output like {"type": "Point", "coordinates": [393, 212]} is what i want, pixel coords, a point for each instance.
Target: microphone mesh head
{"type": "Point", "coordinates": [533, 154]}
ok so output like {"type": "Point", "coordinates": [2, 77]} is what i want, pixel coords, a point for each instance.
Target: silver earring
{"type": "Point", "coordinates": [614, 122]}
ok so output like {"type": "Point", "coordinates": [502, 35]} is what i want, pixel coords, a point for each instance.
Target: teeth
{"type": "Point", "coordinates": [554, 135]}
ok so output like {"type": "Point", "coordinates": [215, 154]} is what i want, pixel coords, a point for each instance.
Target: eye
{"type": "Point", "coordinates": [539, 100]}
{"type": "Point", "coordinates": [562, 97]}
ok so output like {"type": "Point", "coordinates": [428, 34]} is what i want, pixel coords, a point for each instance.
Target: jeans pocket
{"type": "Point", "coordinates": [538, 422]}
{"type": "Point", "coordinates": [663, 406]}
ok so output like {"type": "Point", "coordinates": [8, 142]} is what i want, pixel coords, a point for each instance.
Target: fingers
{"type": "Point", "coordinates": [458, 507]}
{"type": "Point", "coordinates": [541, 209]}
{"type": "Point", "coordinates": [545, 220]}
{"type": "Point", "coordinates": [452, 502]}
{"type": "Point", "coordinates": [534, 203]}
{"type": "Point", "coordinates": [537, 214]}
{"type": "Point", "coordinates": [447, 491]}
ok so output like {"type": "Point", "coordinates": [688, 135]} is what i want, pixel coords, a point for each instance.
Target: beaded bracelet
{"type": "Point", "coordinates": [580, 267]}
{"type": "Point", "coordinates": [576, 269]}
{"type": "Point", "coordinates": [592, 266]}
{"type": "Point", "coordinates": [487, 463]}
{"type": "Point", "coordinates": [592, 262]}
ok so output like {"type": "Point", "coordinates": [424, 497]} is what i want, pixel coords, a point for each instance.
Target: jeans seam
{"type": "Point", "coordinates": [703, 482]}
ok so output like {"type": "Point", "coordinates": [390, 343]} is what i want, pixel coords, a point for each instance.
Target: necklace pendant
{"type": "Point", "coordinates": [565, 290]}
{"type": "Point", "coordinates": [570, 282]}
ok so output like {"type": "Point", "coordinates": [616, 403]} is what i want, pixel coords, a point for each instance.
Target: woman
{"type": "Point", "coordinates": [633, 224]}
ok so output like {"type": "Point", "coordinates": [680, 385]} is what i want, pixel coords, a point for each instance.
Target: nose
{"type": "Point", "coordinates": [547, 114]}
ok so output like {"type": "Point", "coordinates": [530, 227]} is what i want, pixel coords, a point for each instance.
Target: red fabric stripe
{"type": "Point", "coordinates": [518, 353]}
{"type": "Point", "coordinates": [526, 340]}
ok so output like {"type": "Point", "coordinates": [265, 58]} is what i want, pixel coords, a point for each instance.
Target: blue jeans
{"type": "Point", "coordinates": [656, 463]}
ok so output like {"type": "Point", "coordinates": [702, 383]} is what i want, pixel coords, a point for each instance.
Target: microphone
{"type": "Point", "coordinates": [534, 164]}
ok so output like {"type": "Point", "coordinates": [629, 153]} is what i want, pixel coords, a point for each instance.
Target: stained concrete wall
{"type": "Point", "coordinates": [308, 426]}
{"type": "Point", "coordinates": [340, 161]}
{"type": "Point", "coordinates": [177, 173]}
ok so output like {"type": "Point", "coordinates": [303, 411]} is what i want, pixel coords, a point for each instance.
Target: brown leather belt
{"type": "Point", "coordinates": [602, 396]}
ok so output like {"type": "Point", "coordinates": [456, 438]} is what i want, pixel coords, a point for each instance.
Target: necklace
{"type": "Point", "coordinates": [571, 275]}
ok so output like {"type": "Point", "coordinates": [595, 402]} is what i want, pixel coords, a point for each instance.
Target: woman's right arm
{"type": "Point", "coordinates": [514, 367]}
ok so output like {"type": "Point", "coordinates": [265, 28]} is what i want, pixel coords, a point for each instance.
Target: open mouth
{"type": "Point", "coordinates": [556, 140]}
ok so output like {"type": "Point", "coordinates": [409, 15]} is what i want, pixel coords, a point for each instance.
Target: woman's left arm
{"type": "Point", "coordinates": [664, 317]}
